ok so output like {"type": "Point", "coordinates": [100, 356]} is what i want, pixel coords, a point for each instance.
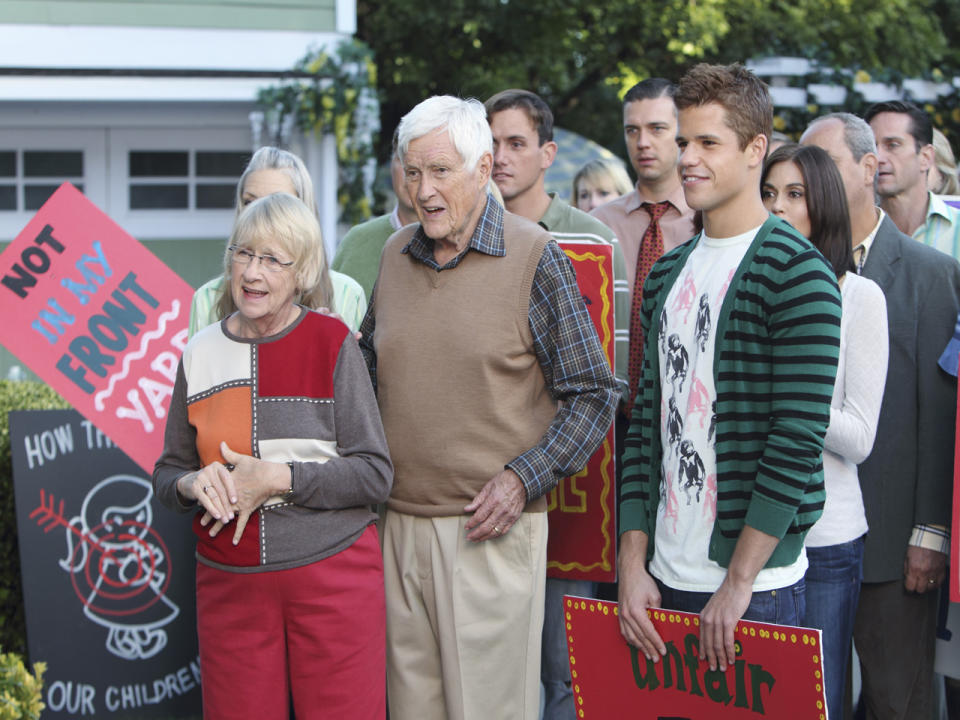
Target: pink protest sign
{"type": "Point", "coordinates": [98, 317]}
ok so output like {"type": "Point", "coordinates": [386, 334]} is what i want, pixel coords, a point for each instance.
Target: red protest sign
{"type": "Point", "coordinates": [778, 672]}
{"type": "Point", "coordinates": [98, 317]}
{"type": "Point", "coordinates": [581, 543]}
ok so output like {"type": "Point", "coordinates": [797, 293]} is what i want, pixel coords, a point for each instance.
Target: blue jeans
{"type": "Point", "coordinates": [833, 589]}
{"type": "Point", "coordinates": [783, 606]}
{"type": "Point", "coordinates": [554, 658]}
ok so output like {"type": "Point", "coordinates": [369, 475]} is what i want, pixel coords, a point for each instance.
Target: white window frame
{"type": "Point", "coordinates": [91, 142]}
{"type": "Point", "coordinates": [173, 223]}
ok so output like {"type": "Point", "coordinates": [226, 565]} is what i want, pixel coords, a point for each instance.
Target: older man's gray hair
{"type": "Point", "coordinates": [857, 134]}
{"type": "Point", "coordinates": [465, 121]}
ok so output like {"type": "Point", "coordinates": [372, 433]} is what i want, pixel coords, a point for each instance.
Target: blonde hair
{"type": "Point", "coordinates": [602, 170]}
{"type": "Point", "coordinates": [946, 165]}
{"type": "Point", "coordinates": [285, 222]}
{"type": "Point", "coordinates": [274, 158]}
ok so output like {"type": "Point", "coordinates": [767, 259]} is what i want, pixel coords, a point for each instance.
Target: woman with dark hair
{"type": "Point", "coordinates": [802, 185]}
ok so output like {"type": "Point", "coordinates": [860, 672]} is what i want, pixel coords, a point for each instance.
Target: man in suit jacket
{"type": "Point", "coordinates": [907, 480]}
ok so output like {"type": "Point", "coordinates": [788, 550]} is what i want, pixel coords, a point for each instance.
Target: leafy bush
{"type": "Point", "coordinates": [20, 691]}
{"type": "Point", "coordinates": [14, 396]}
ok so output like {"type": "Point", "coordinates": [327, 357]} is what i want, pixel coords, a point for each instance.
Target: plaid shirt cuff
{"type": "Point", "coordinates": [534, 471]}
{"type": "Point", "coordinates": [931, 537]}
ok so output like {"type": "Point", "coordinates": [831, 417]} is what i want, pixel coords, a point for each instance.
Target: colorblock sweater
{"type": "Point", "coordinates": [777, 347]}
{"type": "Point", "coordinates": [302, 396]}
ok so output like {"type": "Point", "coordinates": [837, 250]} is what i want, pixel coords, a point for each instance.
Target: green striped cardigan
{"type": "Point", "coordinates": [775, 362]}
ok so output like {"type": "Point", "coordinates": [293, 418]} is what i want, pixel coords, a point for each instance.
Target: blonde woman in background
{"type": "Point", "coordinates": [272, 170]}
{"type": "Point", "coordinates": [599, 182]}
{"type": "Point", "coordinates": [942, 178]}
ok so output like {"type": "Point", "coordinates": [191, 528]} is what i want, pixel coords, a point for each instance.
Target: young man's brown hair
{"type": "Point", "coordinates": [532, 104]}
{"type": "Point", "coordinates": [744, 97]}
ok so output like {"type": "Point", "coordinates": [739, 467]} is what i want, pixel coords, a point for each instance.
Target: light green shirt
{"type": "Point", "coordinates": [942, 227]}
{"type": "Point", "coordinates": [348, 299]}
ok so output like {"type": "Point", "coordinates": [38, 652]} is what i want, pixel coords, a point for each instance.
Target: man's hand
{"type": "Point", "coordinates": [718, 622]}
{"type": "Point", "coordinates": [923, 569]}
{"type": "Point", "coordinates": [719, 618]}
{"type": "Point", "coordinates": [496, 507]}
{"type": "Point", "coordinates": [638, 592]}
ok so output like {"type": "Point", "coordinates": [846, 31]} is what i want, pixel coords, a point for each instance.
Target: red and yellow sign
{"type": "Point", "coordinates": [778, 672]}
{"type": "Point", "coordinates": [98, 317]}
{"type": "Point", "coordinates": [582, 509]}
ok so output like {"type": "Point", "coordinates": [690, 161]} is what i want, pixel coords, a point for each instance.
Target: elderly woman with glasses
{"type": "Point", "coordinates": [274, 438]}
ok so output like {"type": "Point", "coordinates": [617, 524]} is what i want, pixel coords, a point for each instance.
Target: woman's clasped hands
{"type": "Point", "coordinates": [235, 489]}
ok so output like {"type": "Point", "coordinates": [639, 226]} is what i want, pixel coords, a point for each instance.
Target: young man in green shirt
{"type": "Point", "coordinates": [742, 332]}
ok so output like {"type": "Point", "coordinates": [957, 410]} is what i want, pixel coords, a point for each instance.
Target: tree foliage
{"type": "Point", "coordinates": [579, 55]}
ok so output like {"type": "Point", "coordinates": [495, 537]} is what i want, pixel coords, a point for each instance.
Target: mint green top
{"type": "Point", "coordinates": [359, 253]}
{"type": "Point", "coordinates": [348, 299]}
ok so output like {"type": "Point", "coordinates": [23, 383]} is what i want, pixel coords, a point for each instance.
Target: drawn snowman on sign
{"type": "Point", "coordinates": [116, 562]}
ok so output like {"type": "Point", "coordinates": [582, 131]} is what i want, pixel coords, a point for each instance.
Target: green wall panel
{"type": "Point", "coordinates": [301, 15]}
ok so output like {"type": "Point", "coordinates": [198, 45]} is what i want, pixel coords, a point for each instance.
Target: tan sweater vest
{"type": "Point", "coordinates": [460, 390]}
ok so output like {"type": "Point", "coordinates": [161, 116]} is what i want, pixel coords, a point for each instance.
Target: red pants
{"type": "Point", "coordinates": [314, 632]}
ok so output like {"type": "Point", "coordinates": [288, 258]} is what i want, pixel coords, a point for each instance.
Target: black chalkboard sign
{"type": "Point", "coordinates": [108, 575]}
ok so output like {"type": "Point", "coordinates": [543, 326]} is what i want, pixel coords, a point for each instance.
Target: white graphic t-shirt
{"type": "Point", "coordinates": [688, 472]}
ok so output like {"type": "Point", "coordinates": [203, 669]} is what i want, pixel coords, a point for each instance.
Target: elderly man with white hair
{"type": "Point", "coordinates": [492, 386]}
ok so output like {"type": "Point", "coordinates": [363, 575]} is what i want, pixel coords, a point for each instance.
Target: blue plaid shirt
{"type": "Point", "coordinates": [574, 366]}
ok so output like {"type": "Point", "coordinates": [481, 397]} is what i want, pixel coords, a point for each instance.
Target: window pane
{"type": "Point", "coordinates": [215, 197]}
{"type": "Point", "coordinates": [57, 163]}
{"type": "Point", "coordinates": [158, 197]}
{"type": "Point", "coordinates": [221, 164]}
{"type": "Point", "coordinates": [8, 197]}
{"type": "Point", "coordinates": [36, 195]}
{"type": "Point", "coordinates": [146, 163]}
{"type": "Point", "coordinates": [8, 163]}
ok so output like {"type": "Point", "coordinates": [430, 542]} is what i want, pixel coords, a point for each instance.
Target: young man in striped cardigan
{"type": "Point", "coordinates": [722, 471]}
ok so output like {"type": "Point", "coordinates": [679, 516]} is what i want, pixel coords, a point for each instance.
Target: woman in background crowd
{"type": "Point", "coordinates": [274, 436]}
{"type": "Point", "coordinates": [802, 185]}
{"type": "Point", "coordinates": [272, 170]}
{"type": "Point", "coordinates": [942, 178]}
{"type": "Point", "coordinates": [599, 182]}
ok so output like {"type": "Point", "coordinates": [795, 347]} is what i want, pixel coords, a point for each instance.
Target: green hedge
{"type": "Point", "coordinates": [15, 396]}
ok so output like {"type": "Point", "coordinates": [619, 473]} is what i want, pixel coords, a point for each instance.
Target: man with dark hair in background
{"type": "Point", "coordinates": [653, 218]}
{"type": "Point", "coordinates": [904, 135]}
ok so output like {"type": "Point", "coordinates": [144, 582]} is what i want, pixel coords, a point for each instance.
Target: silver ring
{"type": "Point", "coordinates": [207, 487]}
{"type": "Point", "coordinates": [932, 581]}
{"type": "Point", "coordinates": [496, 529]}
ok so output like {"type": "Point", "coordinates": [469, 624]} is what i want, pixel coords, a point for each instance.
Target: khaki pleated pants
{"type": "Point", "coordinates": [464, 619]}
